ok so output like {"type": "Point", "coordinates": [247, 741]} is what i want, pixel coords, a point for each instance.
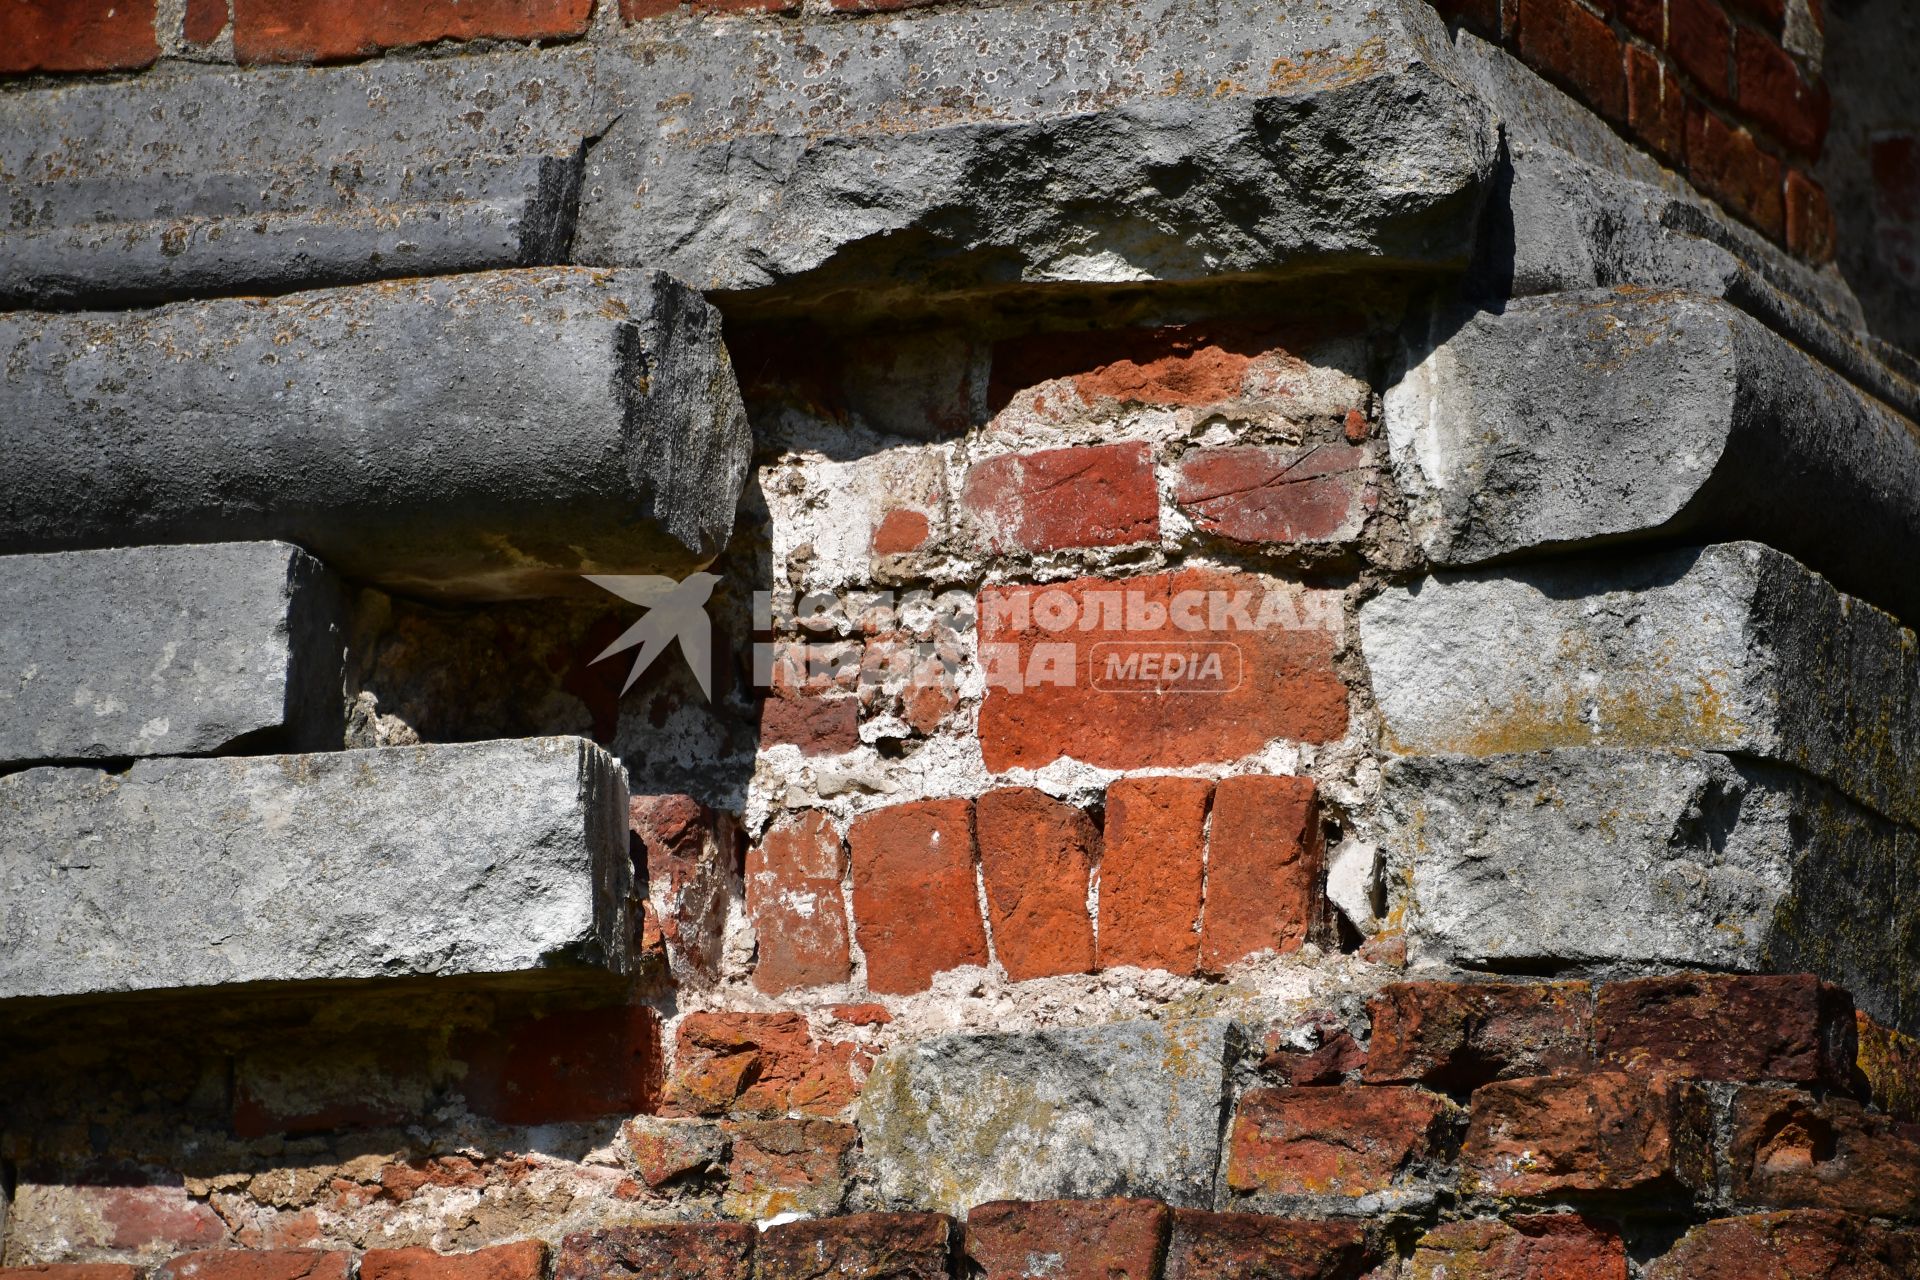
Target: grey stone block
{"type": "Point", "coordinates": [1733, 647]}
{"type": "Point", "coordinates": [489, 858]}
{"type": "Point", "coordinates": [1080, 141]}
{"type": "Point", "coordinates": [493, 435]}
{"type": "Point", "coordinates": [1617, 857]}
{"type": "Point", "coordinates": [272, 179]}
{"type": "Point", "coordinates": [1129, 1108]}
{"type": "Point", "coordinates": [163, 651]}
{"type": "Point", "coordinates": [1609, 415]}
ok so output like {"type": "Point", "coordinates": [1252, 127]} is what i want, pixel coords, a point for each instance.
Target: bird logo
{"type": "Point", "coordinates": [675, 611]}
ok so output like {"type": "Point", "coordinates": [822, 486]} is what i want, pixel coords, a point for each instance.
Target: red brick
{"type": "Point", "coordinates": [118, 1208]}
{"type": "Point", "coordinates": [402, 1180]}
{"type": "Point", "coordinates": [787, 1166]}
{"type": "Point", "coordinates": [638, 10]}
{"type": "Point", "coordinates": [1773, 92]}
{"type": "Point", "coordinates": [73, 1271]}
{"type": "Point", "coordinates": [1810, 230]}
{"type": "Point", "coordinates": [1459, 1036]}
{"type": "Point", "coordinates": [706, 1250]}
{"type": "Point", "coordinates": [521, 1260]}
{"type": "Point", "coordinates": [352, 1085]}
{"type": "Point", "coordinates": [1656, 107]}
{"type": "Point", "coordinates": [1036, 858]}
{"type": "Point", "coordinates": [1056, 689]}
{"type": "Point", "coordinates": [1264, 850]}
{"type": "Point", "coordinates": [1113, 1239]}
{"type": "Point", "coordinates": [1254, 1246]}
{"type": "Point", "coordinates": [1342, 1140]}
{"type": "Point", "coordinates": [1804, 1245]}
{"type": "Point", "coordinates": [1599, 1134]}
{"type": "Point", "coordinates": [746, 6]}
{"type": "Point", "coordinates": [564, 1066]}
{"type": "Point", "coordinates": [1888, 1063]}
{"type": "Point", "coordinates": [670, 1151]}
{"type": "Point", "coordinates": [1313, 493]}
{"type": "Point", "coordinates": [818, 724]}
{"type": "Point", "coordinates": [901, 530]}
{"type": "Point", "coordinates": [76, 35]}
{"type": "Point", "coordinates": [861, 1246]}
{"type": "Point", "coordinates": [1178, 365]}
{"type": "Point", "coordinates": [879, 6]}
{"type": "Point", "coordinates": [1791, 1027]}
{"type": "Point", "coordinates": [755, 1064]}
{"type": "Point", "coordinates": [1645, 18]}
{"type": "Point", "coordinates": [205, 20]}
{"type": "Point", "coordinates": [1334, 1054]}
{"type": "Point", "coordinates": [862, 1015]}
{"type": "Point", "coordinates": [1701, 40]}
{"type": "Point", "coordinates": [915, 909]}
{"type": "Point", "coordinates": [256, 1264]}
{"type": "Point", "coordinates": [1098, 496]}
{"type": "Point", "coordinates": [686, 852]}
{"type": "Point", "coordinates": [334, 30]}
{"type": "Point", "coordinates": [1727, 164]}
{"type": "Point", "coordinates": [1151, 872]}
{"type": "Point", "coordinates": [1790, 1150]}
{"type": "Point", "coordinates": [794, 901]}
{"type": "Point", "coordinates": [1548, 1246]}
{"type": "Point", "coordinates": [1771, 12]}
{"type": "Point", "coordinates": [1573, 46]}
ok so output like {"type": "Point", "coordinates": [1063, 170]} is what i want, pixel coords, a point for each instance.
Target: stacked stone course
{"type": "Point", "coordinates": [1272, 641]}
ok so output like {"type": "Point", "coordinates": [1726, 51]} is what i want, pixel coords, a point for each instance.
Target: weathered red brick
{"type": "Point", "coordinates": [818, 724]}
{"type": "Point", "coordinates": [637, 10]}
{"type": "Point", "coordinates": [1789, 1027]}
{"type": "Point", "coordinates": [1572, 45]}
{"type": "Point", "coordinates": [862, 1015]}
{"type": "Point", "coordinates": [923, 674]}
{"type": "Point", "coordinates": [1802, 1245]}
{"type": "Point", "coordinates": [257, 1264]}
{"type": "Point", "coordinates": [1645, 18]}
{"type": "Point", "coordinates": [1888, 1063]}
{"type": "Point", "coordinates": [205, 20]}
{"type": "Point", "coordinates": [746, 6]}
{"type": "Point", "coordinates": [689, 1250]}
{"type": "Point", "coordinates": [878, 6]}
{"type": "Point", "coordinates": [1458, 1036]}
{"type": "Point", "coordinates": [1773, 91]}
{"type": "Point", "coordinates": [900, 530]}
{"type": "Point", "coordinates": [1656, 106]}
{"type": "Point", "coordinates": [521, 1260]}
{"type": "Point", "coordinates": [1339, 1140]}
{"type": "Point", "coordinates": [1115, 1239]}
{"type": "Point", "coordinates": [793, 899]}
{"type": "Point", "coordinates": [129, 1209]}
{"type": "Point", "coordinates": [1599, 1134]}
{"type": "Point", "coordinates": [860, 1246]}
{"type": "Point", "coordinates": [1319, 493]}
{"type": "Point", "coordinates": [755, 1064]}
{"type": "Point", "coordinates": [402, 1180]}
{"type": "Point", "coordinates": [914, 906]}
{"type": "Point", "coordinates": [787, 1166]}
{"type": "Point", "coordinates": [1191, 365]}
{"type": "Point", "coordinates": [73, 1271]}
{"type": "Point", "coordinates": [666, 1151]}
{"type": "Point", "coordinates": [76, 35]}
{"type": "Point", "coordinates": [1726, 163]}
{"type": "Point", "coordinates": [1810, 229]}
{"type": "Point", "coordinates": [686, 852]}
{"type": "Point", "coordinates": [1036, 858]}
{"type": "Point", "coordinates": [1264, 854]}
{"type": "Point", "coordinates": [1096, 496]}
{"type": "Point", "coordinates": [354, 1085]}
{"type": "Point", "coordinates": [1255, 1246]}
{"type": "Point", "coordinates": [335, 30]}
{"type": "Point", "coordinates": [1771, 12]}
{"type": "Point", "coordinates": [1701, 40]}
{"type": "Point", "coordinates": [1151, 872]}
{"type": "Point", "coordinates": [1548, 1246]}
{"type": "Point", "coordinates": [1330, 1058]}
{"type": "Point", "coordinates": [1086, 668]}
{"type": "Point", "coordinates": [1791, 1150]}
{"type": "Point", "coordinates": [564, 1066]}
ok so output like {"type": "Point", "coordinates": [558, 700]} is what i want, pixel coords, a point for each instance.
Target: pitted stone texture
{"type": "Point", "coordinates": [487, 858]}
{"type": "Point", "coordinates": [1127, 1109]}
{"type": "Point", "coordinates": [1097, 141]}
{"type": "Point", "coordinates": [162, 651]}
{"type": "Point", "coordinates": [1733, 647]}
{"type": "Point", "coordinates": [493, 435]}
{"type": "Point", "coordinates": [1603, 415]}
{"type": "Point", "coordinates": [267, 180]}
{"type": "Point", "coordinates": [1677, 858]}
